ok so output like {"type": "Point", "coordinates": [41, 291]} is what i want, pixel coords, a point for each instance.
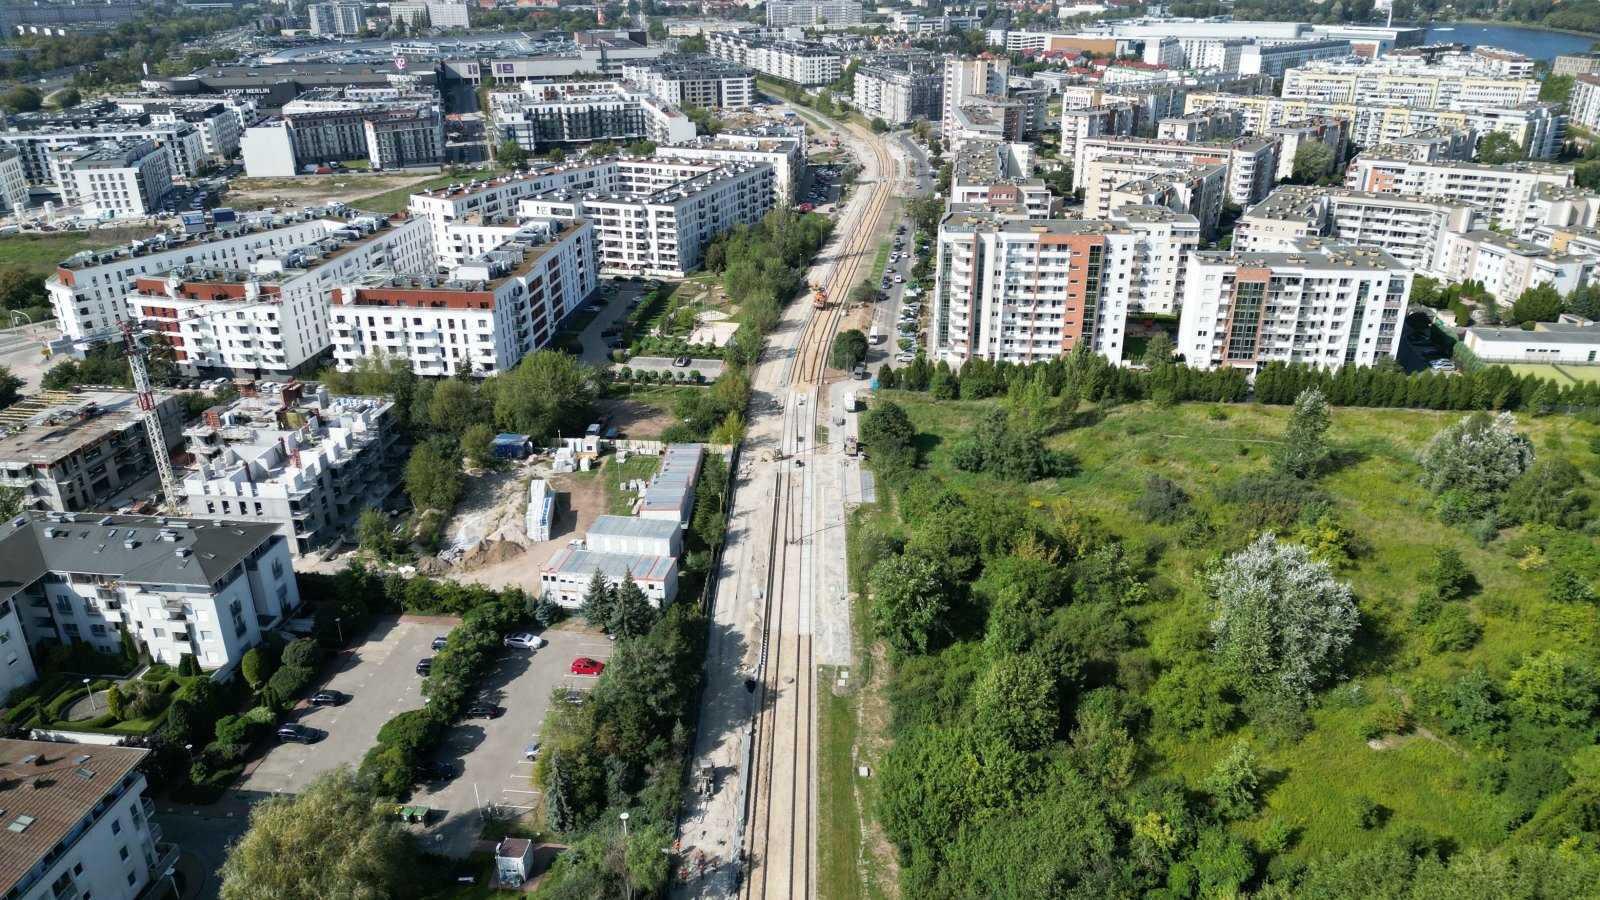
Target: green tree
{"type": "Point", "coordinates": [1159, 351]}
{"type": "Point", "coordinates": [1449, 577]}
{"type": "Point", "coordinates": [910, 601]}
{"type": "Point", "coordinates": [11, 502]}
{"type": "Point", "coordinates": [1312, 161]}
{"type": "Point", "coordinates": [1498, 148]}
{"type": "Point", "coordinates": [453, 406]}
{"type": "Point", "coordinates": [1283, 621]}
{"type": "Point", "coordinates": [10, 387]}
{"type": "Point", "coordinates": [1555, 89]}
{"type": "Point", "coordinates": [1469, 466]}
{"type": "Point", "coordinates": [548, 392]}
{"type": "Point", "coordinates": [477, 442]}
{"type": "Point", "coordinates": [1234, 782]}
{"type": "Point", "coordinates": [510, 155]}
{"type": "Point", "coordinates": [331, 839]}
{"type": "Point", "coordinates": [374, 532]}
{"type": "Point", "coordinates": [255, 667]}
{"type": "Point", "coordinates": [1555, 689]}
{"type": "Point", "coordinates": [599, 602]}
{"type": "Point", "coordinates": [889, 437]}
{"type": "Point", "coordinates": [1304, 447]}
{"type": "Point", "coordinates": [879, 126]}
{"type": "Point", "coordinates": [433, 475]}
{"type": "Point", "coordinates": [21, 99]}
{"type": "Point", "coordinates": [1537, 304]}
{"type": "Point", "coordinates": [1015, 702]}
{"type": "Point", "coordinates": [632, 613]}
{"type": "Point", "coordinates": [556, 155]}
{"type": "Point", "coordinates": [849, 349]}
{"type": "Point", "coordinates": [1190, 699]}
{"type": "Point", "coordinates": [66, 98]}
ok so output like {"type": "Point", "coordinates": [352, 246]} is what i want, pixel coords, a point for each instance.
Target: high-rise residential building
{"type": "Point", "coordinates": [84, 450]}
{"type": "Point", "coordinates": [13, 182]}
{"type": "Point", "coordinates": [970, 79]}
{"type": "Point", "coordinates": [346, 19]}
{"type": "Point", "coordinates": [389, 129]}
{"type": "Point", "coordinates": [897, 96]}
{"type": "Point", "coordinates": [990, 172]}
{"type": "Point", "coordinates": [1414, 230]}
{"type": "Point", "coordinates": [805, 63]}
{"type": "Point", "coordinates": [1199, 189]}
{"type": "Point", "coordinates": [1251, 162]}
{"type": "Point", "coordinates": [1457, 87]}
{"type": "Point", "coordinates": [1324, 304]}
{"type": "Point", "coordinates": [1502, 192]}
{"type": "Point", "coordinates": [696, 79]}
{"type": "Point", "coordinates": [538, 115]}
{"type": "Point", "coordinates": [813, 13]}
{"type": "Point", "coordinates": [429, 14]}
{"type": "Point", "coordinates": [115, 181]}
{"type": "Point", "coordinates": [783, 147]}
{"type": "Point", "coordinates": [1507, 266]}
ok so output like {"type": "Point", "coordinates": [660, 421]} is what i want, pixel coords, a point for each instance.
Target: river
{"type": "Point", "coordinates": [1530, 42]}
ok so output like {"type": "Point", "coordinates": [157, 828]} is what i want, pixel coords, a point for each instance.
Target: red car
{"type": "Point", "coordinates": [583, 665]}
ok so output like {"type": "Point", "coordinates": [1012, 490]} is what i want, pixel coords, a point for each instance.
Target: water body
{"type": "Point", "coordinates": [1529, 42]}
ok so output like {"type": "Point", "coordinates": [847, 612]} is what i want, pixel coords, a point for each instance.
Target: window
{"type": "Point", "coordinates": [116, 826]}
{"type": "Point", "coordinates": [122, 853]}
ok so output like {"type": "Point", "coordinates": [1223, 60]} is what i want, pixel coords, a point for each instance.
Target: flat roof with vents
{"type": "Point", "coordinates": [45, 791]}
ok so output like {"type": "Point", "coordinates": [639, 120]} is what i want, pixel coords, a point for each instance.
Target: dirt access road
{"type": "Point", "coordinates": [317, 190]}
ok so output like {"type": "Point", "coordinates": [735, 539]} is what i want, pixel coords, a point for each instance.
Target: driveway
{"type": "Point", "coordinates": [203, 845]}
{"type": "Point", "coordinates": [615, 296]}
{"type": "Point", "coordinates": [711, 369]}
{"type": "Point", "coordinates": [380, 677]}
{"type": "Point", "coordinates": [488, 753]}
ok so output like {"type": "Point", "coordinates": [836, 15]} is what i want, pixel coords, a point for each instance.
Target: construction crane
{"type": "Point", "coordinates": [171, 499]}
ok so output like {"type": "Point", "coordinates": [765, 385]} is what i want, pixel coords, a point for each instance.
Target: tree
{"type": "Point", "coordinates": [1304, 449]}
{"type": "Point", "coordinates": [1190, 699]}
{"type": "Point", "coordinates": [66, 98]}
{"type": "Point", "coordinates": [546, 393]}
{"type": "Point", "coordinates": [10, 387]}
{"type": "Point", "coordinates": [1283, 621]}
{"type": "Point", "coordinates": [1498, 148]}
{"type": "Point", "coordinates": [373, 530]}
{"type": "Point", "coordinates": [632, 613]}
{"type": "Point", "coordinates": [510, 155]}
{"type": "Point", "coordinates": [21, 99]}
{"type": "Point", "coordinates": [849, 349]}
{"type": "Point", "coordinates": [433, 475]}
{"type": "Point", "coordinates": [556, 155]}
{"type": "Point", "coordinates": [1234, 782]}
{"type": "Point", "coordinates": [1449, 577]}
{"type": "Point", "coordinates": [11, 503]}
{"type": "Point", "coordinates": [256, 668]}
{"type": "Point", "coordinates": [20, 289]}
{"type": "Point", "coordinates": [1015, 702]}
{"type": "Point", "coordinates": [477, 442]}
{"type": "Point", "coordinates": [1537, 304]}
{"type": "Point", "coordinates": [1312, 161]}
{"type": "Point", "coordinates": [910, 603]}
{"type": "Point", "coordinates": [453, 406]}
{"type": "Point", "coordinates": [1555, 689]}
{"type": "Point", "coordinates": [545, 610]}
{"type": "Point", "coordinates": [879, 126]}
{"type": "Point", "coordinates": [599, 602]}
{"type": "Point", "coordinates": [1159, 351]}
{"type": "Point", "coordinates": [1469, 466]}
{"type": "Point", "coordinates": [332, 839]}
{"type": "Point", "coordinates": [889, 437]}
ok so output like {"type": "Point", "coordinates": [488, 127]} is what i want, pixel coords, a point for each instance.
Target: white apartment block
{"type": "Point", "coordinates": [1539, 128]}
{"type": "Point", "coordinates": [78, 823]}
{"type": "Point", "coordinates": [298, 467]}
{"type": "Point", "coordinates": [348, 19]}
{"type": "Point", "coordinates": [438, 16]}
{"type": "Point", "coordinates": [992, 173]}
{"type": "Point", "coordinates": [1262, 58]}
{"type": "Point", "coordinates": [1196, 189]}
{"type": "Point", "coordinates": [1113, 118]}
{"type": "Point", "coordinates": [1201, 126]}
{"type": "Point", "coordinates": [813, 13]}
{"type": "Point", "coordinates": [207, 587]}
{"type": "Point", "coordinates": [13, 182]}
{"type": "Point", "coordinates": [38, 146]}
{"type": "Point", "coordinates": [1325, 304]}
{"type": "Point", "coordinates": [89, 291]}
{"type": "Point", "coordinates": [1161, 255]}
{"type": "Point", "coordinates": [694, 80]}
{"type": "Point", "coordinates": [16, 661]}
{"type": "Point", "coordinates": [1416, 231]}
{"type": "Point", "coordinates": [1555, 209]}
{"type": "Point", "coordinates": [389, 128]}
{"type": "Point", "coordinates": [897, 96]}
{"type": "Point", "coordinates": [970, 79]}
{"type": "Point", "coordinates": [1030, 290]}
{"type": "Point", "coordinates": [538, 115]}
{"type": "Point", "coordinates": [1502, 192]}
{"type": "Point", "coordinates": [1507, 266]}
{"type": "Point", "coordinates": [1584, 104]}
{"type": "Point", "coordinates": [657, 216]}
{"type": "Point", "coordinates": [494, 308]}
{"type": "Point", "coordinates": [781, 147]}
{"type": "Point", "coordinates": [270, 317]}
{"type": "Point", "coordinates": [986, 119]}
{"type": "Point", "coordinates": [1252, 162]}
{"type": "Point", "coordinates": [1291, 136]}
{"type": "Point", "coordinates": [805, 64]}
{"type": "Point", "coordinates": [1348, 81]}
{"type": "Point", "coordinates": [220, 120]}
{"type": "Point", "coordinates": [115, 181]}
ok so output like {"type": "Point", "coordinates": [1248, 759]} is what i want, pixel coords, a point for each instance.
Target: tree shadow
{"type": "Point", "coordinates": [1341, 459]}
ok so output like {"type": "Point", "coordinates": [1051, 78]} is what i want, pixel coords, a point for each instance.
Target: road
{"type": "Point", "coordinates": [782, 610]}
{"type": "Point", "coordinates": [20, 351]}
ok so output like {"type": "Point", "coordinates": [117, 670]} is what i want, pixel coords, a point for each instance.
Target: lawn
{"type": "Point", "coordinates": [43, 253]}
{"type": "Point", "coordinates": [1421, 779]}
{"type": "Point", "coordinates": [1561, 374]}
{"type": "Point", "coordinates": [637, 467]}
{"type": "Point", "coordinates": [397, 199]}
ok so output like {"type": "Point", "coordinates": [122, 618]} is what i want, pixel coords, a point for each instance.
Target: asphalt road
{"type": "Point", "coordinates": [711, 369]}
{"type": "Point", "coordinates": [204, 844]}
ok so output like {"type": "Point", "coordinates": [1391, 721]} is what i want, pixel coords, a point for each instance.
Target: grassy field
{"type": "Point", "coordinates": [1561, 374]}
{"type": "Point", "coordinates": [396, 200]}
{"type": "Point", "coordinates": [42, 253]}
{"type": "Point", "coordinates": [1422, 779]}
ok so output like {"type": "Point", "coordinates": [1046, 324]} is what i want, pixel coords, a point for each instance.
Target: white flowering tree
{"type": "Point", "coordinates": [1469, 466]}
{"type": "Point", "coordinates": [1283, 621]}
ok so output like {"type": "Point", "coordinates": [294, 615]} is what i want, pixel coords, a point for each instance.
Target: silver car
{"type": "Point", "coordinates": [527, 640]}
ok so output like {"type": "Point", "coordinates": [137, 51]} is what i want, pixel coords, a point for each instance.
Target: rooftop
{"type": "Point", "coordinates": [1315, 253]}
{"type": "Point", "coordinates": [633, 526]}
{"type": "Point", "coordinates": [52, 425]}
{"type": "Point", "coordinates": [1568, 335]}
{"type": "Point", "coordinates": [46, 789]}
{"type": "Point", "coordinates": [572, 560]}
{"type": "Point", "coordinates": [141, 549]}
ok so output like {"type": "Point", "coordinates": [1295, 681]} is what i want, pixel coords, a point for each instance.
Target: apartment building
{"type": "Point", "coordinates": [657, 216]}
{"type": "Point", "coordinates": [986, 120]}
{"type": "Point", "coordinates": [695, 79]}
{"type": "Point", "coordinates": [1324, 304]}
{"type": "Point", "coordinates": [270, 317]}
{"type": "Point", "coordinates": [1576, 64]}
{"type": "Point", "coordinates": [1414, 230]}
{"type": "Point", "coordinates": [13, 182]}
{"type": "Point", "coordinates": [1407, 81]}
{"type": "Point", "coordinates": [211, 588]}
{"type": "Point", "coordinates": [813, 13]}
{"type": "Point", "coordinates": [1113, 118]}
{"type": "Point", "coordinates": [804, 63]}
{"type": "Point", "coordinates": [36, 136]}
{"type": "Point", "coordinates": [1502, 192]}
{"type": "Point", "coordinates": [220, 121]}
{"type": "Point", "coordinates": [1197, 189]}
{"type": "Point", "coordinates": [298, 466]}
{"type": "Point", "coordinates": [966, 80]}
{"type": "Point", "coordinates": [494, 307]}
{"type": "Point", "coordinates": [538, 115]}
{"type": "Point", "coordinates": [114, 181]}
{"type": "Point", "coordinates": [990, 172]}
{"type": "Point", "coordinates": [897, 96]}
{"type": "Point", "coordinates": [783, 147]}
{"type": "Point", "coordinates": [388, 129]}
{"type": "Point", "coordinates": [1556, 209]}
{"type": "Point", "coordinates": [344, 19]}
{"type": "Point", "coordinates": [1160, 257]}
{"type": "Point", "coordinates": [437, 16]}
{"type": "Point", "coordinates": [71, 452]}
{"type": "Point", "coordinates": [78, 822]}
{"type": "Point", "coordinates": [89, 291]}
{"type": "Point", "coordinates": [1274, 58]}
{"type": "Point", "coordinates": [1030, 290]}
{"type": "Point", "coordinates": [1584, 104]}
{"type": "Point", "coordinates": [1328, 132]}
{"type": "Point", "coordinates": [1251, 162]}
{"type": "Point", "coordinates": [1507, 266]}
{"type": "Point", "coordinates": [1201, 126]}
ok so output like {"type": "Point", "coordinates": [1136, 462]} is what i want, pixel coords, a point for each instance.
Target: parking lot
{"type": "Point", "coordinates": [486, 755]}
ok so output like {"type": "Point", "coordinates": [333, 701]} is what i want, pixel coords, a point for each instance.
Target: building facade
{"type": "Point", "coordinates": [804, 63]}
{"type": "Point", "coordinates": [538, 115]}
{"type": "Point", "coordinates": [813, 13]}
{"type": "Point", "coordinates": [85, 450]}
{"type": "Point", "coordinates": [344, 19]}
{"type": "Point", "coordinates": [695, 79]}
{"type": "Point", "coordinates": [897, 96]}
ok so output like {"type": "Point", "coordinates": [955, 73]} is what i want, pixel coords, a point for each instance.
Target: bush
{"type": "Point", "coordinates": [1162, 501]}
{"type": "Point", "coordinates": [304, 653]}
{"type": "Point", "coordinates": [1268, 499]}
{"type": "Point", "coordinates": [1364, 811]}
{"type": "Point", "coordinates": [289, 681]}
{"type": "Point", "coordinates": [1449, 576]}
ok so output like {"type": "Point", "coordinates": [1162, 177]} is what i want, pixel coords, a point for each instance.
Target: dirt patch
{"type": "Point", "coordinates": [298, 192]}
{"type": "Point", "coordinates": [490, 553]}
{"type": "Point", "coordinates": [493, 510]}
{"type": "Point", "coordinates": [637, 420]}
{"type": "Point", "coordinates": [583, 499]}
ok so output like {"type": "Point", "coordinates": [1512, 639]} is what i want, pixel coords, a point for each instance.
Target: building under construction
{"type": "Point", "coordinates": [85, 450]}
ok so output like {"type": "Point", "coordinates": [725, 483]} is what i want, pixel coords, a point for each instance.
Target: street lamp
{"type": "Point", "coordinates": [92, 707]}
{"type": "Point", "coordinates": [627, 886]}
{"type": "Point", "coordinates": [172, 874]}
{"type": "Point", "coordinates": [339, 621]}
{"type": "Point", "coordinates": [190, 749]}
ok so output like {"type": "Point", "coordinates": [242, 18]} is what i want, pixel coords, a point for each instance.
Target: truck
{"type": "Point", "coordinates": [849, 401]}
{"type": "Point", "coordinates": [874, 337]}
{"type": "Point", "coordinates": [851, 448]}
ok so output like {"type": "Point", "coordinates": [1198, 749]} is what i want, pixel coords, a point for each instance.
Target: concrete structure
{"type": "Point", "coordinates": [13, 182]}
{"type": "Point", "coordinates": [1329, 132]}
{"type": "Point", "coordinates": [387, 129]}
{"type": "Point", "coordinates": [302, 466]}
{"type": "Point", "coordinates": [783, 147]}
{"type": "Point", "coordinates": [78, 822]}
{"type": "Point", "coordinates": [437, 16]}
{"type": "Point", "coordinates": [1201, 126]}
{"type": "Point", "coordinates": [38, 136]}
{"type": "Point", "coordinates": [813, 13]}
{"type": "Point", "coordinates": [1572, 341]}
{"type": "Point", "coordinates": [970, 79]}
{"type": "Point", "coordinates": [989, 172]}
{"type": "Point", "coordinates": [345, 19]}
{"type": "Point", "coordinates": [115, 180]}
{"type": "Point", "coordinates": [220, 121]}
{"type": "Point", "coordinates": [1261, 58]}
{"type": "Point", "coordinates": [985, 119]}
{"type": "Point", "coordinates": [269, 317]}
{"type": "Point", "coordinates": [1161, 255]}
{"type": "Point", "coordinates": [1199, 189]}
{"type": "Point", "coordinates": [211, 588]}
{"type": "Point", "coordinates": [1576, 64]}
{"type": "Point", "coordinates": [1325, 304]}
{"type": "Point", "coordinates": [897, 96]}
{"type": "Point", "coordinates": [1413, 230]}
{"type": "Point", "coordinates": [1507, 266]}
{"type": "Point", "coordinates": [1584, 104]}
{"type": "Point", "coordinates": [544, 505]}
{"type": "Point", "coordinates": [87, 450]}
{"type": "Point", "coordinates": [538, 115]}
{"type": "Point", "coordinates": [694, 80]}
{"type": "Point", "coordinates": [637, 535]}
{"type": "Point", "coordinates": [495, 306]}
{"type": "Point", "coordinates": [805, 64]}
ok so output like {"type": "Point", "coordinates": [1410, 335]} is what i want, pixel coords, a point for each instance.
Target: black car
{"type": "Point", "coordinates": [327, 698]}
{"type": "Point", "coordinates": [482, 711]}
{"type": "Point", "coordinates": [438, 643]}
{"type": "Point", "coordinates": [425, 667]}
{"type": "Point", "coordinates": [299, 734]}
{"type": "Point", "coordinates": [434, 771]}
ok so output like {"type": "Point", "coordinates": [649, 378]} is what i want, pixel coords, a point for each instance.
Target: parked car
{"type": "Point", "coordinates": [527, 640]}
{"type": "Point", "coordinates": [434, 771]}
{"type": "Point", "coordinates": [583, 665]}
{"type": "Point", "coordinates": [482, 711]}
{"type": "Point", "coordinates": [328, 698]}
{"type": "Point", "coordinates": [439, 642]}
{"type": "Point", "coordinates": [531, 751]}
{"type": "Point", "coordinates": [425, 667]}
{"type": "Point", "coordinates": [299, 733]}
{"type": "Point", "coordinates": [681, 362]}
